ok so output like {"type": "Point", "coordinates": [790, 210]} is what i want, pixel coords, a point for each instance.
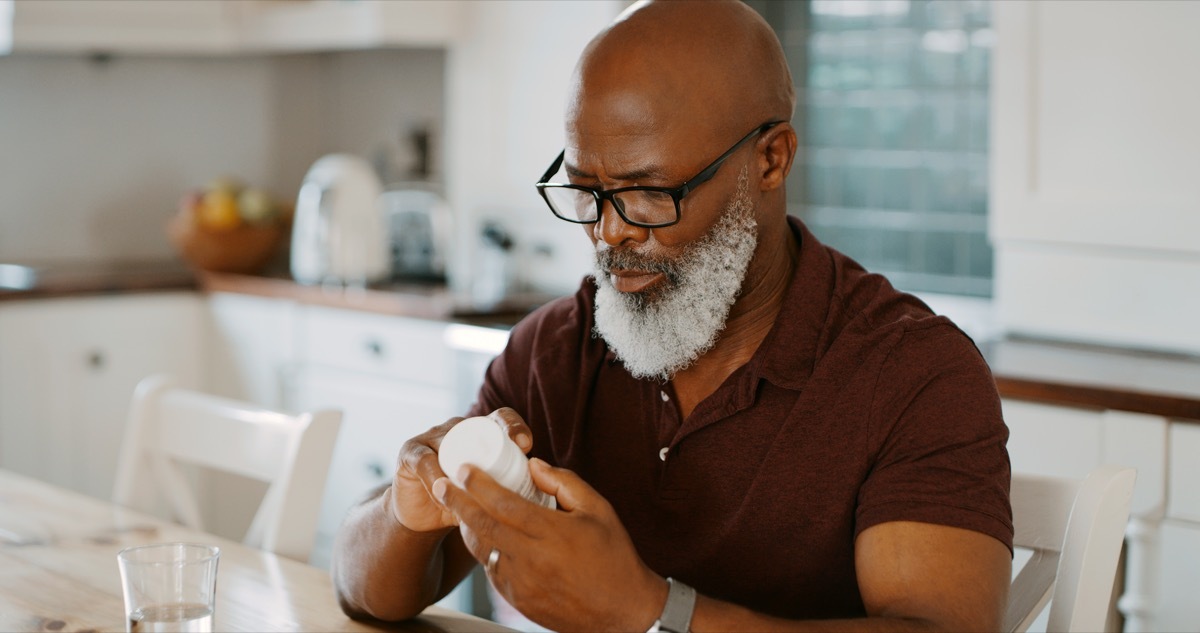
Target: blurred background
{"type": "Point", "coordinates": [1028, 168]}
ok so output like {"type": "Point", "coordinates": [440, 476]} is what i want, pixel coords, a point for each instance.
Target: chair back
{"type": "Point", "coordinates": [1075, 530]}
{"type": "Point", "coordinates": [291, 453]}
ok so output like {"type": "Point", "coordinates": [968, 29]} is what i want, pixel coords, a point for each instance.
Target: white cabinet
{"type": "Point", "coordinates": [1093, 181]}
{"type": "Point", "coordinates": [1185, 476]}
{"type": "Point", "coordinates": [407, 350]}
{"type": "Point", "coordinates": [392, 378]}
{"type": "Point", "coordinates": [1038, 435]}
{"type": "Point", "coordinates": [1178, 609]}
{"type": "Point", "coordinates": [251, 347]}
{"type": "Point", "coordinates": [126, 26]}
{"type": "Point", "coordinates": [1180, 579]}
{"type": "Point", "coordinates": [1162, 547]}
{"type": "Point", "coordinates": [311, 25]}
{"type": "Point", "coordinates": [68, 368]}
{"type": "Point", "coordinates": [226, 26]}
{"type": "Point", "coordinates": [379, 416]}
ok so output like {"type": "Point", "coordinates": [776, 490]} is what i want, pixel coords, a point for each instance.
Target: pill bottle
{"type": "Point", "coordinates": [483, 443]}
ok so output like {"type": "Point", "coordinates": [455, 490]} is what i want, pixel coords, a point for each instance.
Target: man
{"type": "Point", "coordinates": [729, 404]}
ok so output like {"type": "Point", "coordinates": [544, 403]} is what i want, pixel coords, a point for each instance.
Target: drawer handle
{"type": "Point", "coordinates": [96, 360]}
{"type": "Point", "coordinates": [375, 348]}
{"type": "Point", "coordinates": [376, 469]}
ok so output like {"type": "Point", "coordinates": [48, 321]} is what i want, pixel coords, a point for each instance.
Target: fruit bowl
{"type": "Point", "coordinates": [242, 249]}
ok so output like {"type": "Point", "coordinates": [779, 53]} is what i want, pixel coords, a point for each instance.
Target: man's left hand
{"type": "Point", "coordinates": [571, 569]}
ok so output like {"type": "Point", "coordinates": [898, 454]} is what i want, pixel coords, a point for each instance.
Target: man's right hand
{"type": "Point", "coordinates": [412, 502]}
{"type": "Point", "coordinates": [398, 552]}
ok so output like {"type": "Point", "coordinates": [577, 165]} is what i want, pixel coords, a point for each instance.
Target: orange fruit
{"type": "Point", "coordinates": [219, 210]}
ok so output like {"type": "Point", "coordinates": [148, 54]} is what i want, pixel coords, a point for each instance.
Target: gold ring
{"type": "Point", "coordinates": [493, 558]}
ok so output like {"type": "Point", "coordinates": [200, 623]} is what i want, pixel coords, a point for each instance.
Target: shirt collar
{"type": "Point", "coordinates": [787, 355]}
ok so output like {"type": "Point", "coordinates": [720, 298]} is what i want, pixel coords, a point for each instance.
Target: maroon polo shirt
{"type": "Point", "coordinates": [860, 407]}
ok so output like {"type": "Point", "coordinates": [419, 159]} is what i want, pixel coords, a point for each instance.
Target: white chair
{"type": "Point", "coordinates": [291, 453]}
{"type": "Point", "coordinates": [1075, 530]}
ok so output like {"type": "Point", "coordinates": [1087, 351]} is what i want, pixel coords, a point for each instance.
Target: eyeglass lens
{"type": "Point", "coordinates": [641, 206]}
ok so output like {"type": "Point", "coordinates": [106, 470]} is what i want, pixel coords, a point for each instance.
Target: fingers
{"type": "Point", "coordinates": [572, 492]}
{"type": "Point", "coordinates": [487, 512]}
{"type": "Point", "coordinates": [516, 427]}
{"type": "Point", "coordinates": [418, 495]}
{"type": "Point", "coordinates": [419, 454]}
{"type": "Point", "coordinates": [490, 501]}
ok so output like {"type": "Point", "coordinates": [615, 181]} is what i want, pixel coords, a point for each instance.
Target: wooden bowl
{"type": "Point", "coordinates": [245, 249]}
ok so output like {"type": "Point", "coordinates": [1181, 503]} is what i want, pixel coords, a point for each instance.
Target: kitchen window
{"type": "Point", "coordinates": [892, 110]}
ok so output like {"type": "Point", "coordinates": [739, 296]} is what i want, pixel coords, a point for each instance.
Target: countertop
{"type": "Point", "coordinates": [425, 300]}
{"type": "Point", "coordinates": [1097, 377]}
{"type": "Point", "coordinates": [59, 278]}
{"type": "Point", "coordinates": [399, 298]}
{"type": "Point", "coordinates": [1054, 372]}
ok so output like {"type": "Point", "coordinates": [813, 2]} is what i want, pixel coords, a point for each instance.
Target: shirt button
{"type": "Point", "coordinates": [662, 454]}
{"type": "Point", "coordinates": [664, 395]}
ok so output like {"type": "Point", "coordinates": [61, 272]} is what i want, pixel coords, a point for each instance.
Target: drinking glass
{"type": "Point", "coordinates": [169, 587]}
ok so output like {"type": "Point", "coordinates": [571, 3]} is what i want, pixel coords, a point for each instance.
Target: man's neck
{"type": "Point", "coordinates": [750, 320]}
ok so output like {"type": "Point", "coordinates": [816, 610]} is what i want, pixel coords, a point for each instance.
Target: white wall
{"type": "Point", "coordinates": [95, 155]}
{"type": "Point", "coordinates": [506, 91]}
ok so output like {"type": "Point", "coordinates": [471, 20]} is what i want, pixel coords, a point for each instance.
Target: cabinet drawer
{"type": "Point", "coordinates": [395, 347]}
{"type": "Point", "coordinates": [1179, 610]}
{"type": "Point", "coordinates": [379, 415]}
{"type": "Point", "coordinates": [1183, 493]}
{"type": "Point", "coordinates": [1052, 441]}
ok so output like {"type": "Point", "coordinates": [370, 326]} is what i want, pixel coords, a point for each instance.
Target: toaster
{"type": "Point", "coordinates": [339, 235]}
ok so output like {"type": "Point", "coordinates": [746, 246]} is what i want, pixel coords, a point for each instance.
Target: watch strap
{"type": "Point", "coordinates": [677, 612]}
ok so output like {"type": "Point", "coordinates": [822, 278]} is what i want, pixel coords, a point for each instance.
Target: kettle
{"type": "Point", "coordinates": [338, 236]}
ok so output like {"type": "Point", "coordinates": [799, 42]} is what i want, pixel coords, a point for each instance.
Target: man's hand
{"type": "Point", "coordinates": [566, 570]}
{"type": "Point", "coordinates": [417, 468]}
{"type": "Point", "coordinates": [398, 551]}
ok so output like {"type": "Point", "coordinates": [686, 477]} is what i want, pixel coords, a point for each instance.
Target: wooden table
{"type": "Point", "coordinates": [58, 572]}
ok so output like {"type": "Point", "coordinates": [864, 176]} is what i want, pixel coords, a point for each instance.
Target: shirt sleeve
{"type": "Point", "coordinates": [505, 374]}
{"type": "Point", "coordinates": [938, 438]}
{"type": "Point", "coordinates": [535, 370]}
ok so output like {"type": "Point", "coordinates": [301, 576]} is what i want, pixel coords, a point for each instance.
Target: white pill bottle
{"type": "Point", "coordinates": [483, 443]}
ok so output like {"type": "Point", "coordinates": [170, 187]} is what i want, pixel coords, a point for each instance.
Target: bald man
{"type": "Point", "coordinates": [743, 429]}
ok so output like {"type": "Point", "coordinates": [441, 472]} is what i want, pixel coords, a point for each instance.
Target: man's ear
{"type": "Point", "coordinates": [779, 150]}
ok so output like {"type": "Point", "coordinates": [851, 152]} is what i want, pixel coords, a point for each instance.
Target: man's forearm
{"type": "Point", "coordinates": [383, 570]}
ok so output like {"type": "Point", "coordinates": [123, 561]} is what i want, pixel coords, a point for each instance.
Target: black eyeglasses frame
{"type": "Point", "coordinates": [676, 193]}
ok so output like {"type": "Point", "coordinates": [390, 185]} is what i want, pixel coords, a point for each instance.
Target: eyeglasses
{"type": "Point", "coordinates": [647, 207]}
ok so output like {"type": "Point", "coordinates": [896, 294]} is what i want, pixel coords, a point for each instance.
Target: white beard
{"type": "Point", "coordinates": [660, 332]}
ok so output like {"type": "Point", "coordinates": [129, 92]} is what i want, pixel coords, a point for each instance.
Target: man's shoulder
{"type": "Point", "coordinates": [866, 309]}
{"type": "Point", "coordinates": [562, 324]}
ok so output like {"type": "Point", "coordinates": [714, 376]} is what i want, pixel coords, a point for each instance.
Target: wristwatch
{"type": "Point", "coordinates": [677, 613]}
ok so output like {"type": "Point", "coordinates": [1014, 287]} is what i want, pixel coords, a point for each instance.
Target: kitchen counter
{"type": "Point", "coordinates": [1097, 377]}
{"type": "Point", "coordinates": [50, 279]}
{"type": "Point", "coordinates": [61, 279]}
{"type": "Point", "coordinates": [1046, 371]}
{"type": "Point", "coordinates": [408, 299]}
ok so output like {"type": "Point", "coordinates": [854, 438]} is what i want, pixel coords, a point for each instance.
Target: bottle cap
{"type": "Point", "coordinates": [478, 441]}
{"type": "Point", "coordinates": [484, 443]}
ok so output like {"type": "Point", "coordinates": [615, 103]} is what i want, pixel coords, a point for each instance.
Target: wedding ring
{"type": "Point", "coordinates": [493, 558]}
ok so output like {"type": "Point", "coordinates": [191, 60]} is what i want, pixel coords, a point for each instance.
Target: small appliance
{"type": "Point", "coordinates": [421, 230]}
{"type": "Point", "coordinates": [338, 235]}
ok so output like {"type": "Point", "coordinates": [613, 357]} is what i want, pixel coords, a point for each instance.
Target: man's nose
{"type": "Point", "coordinates": [614, 230]}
